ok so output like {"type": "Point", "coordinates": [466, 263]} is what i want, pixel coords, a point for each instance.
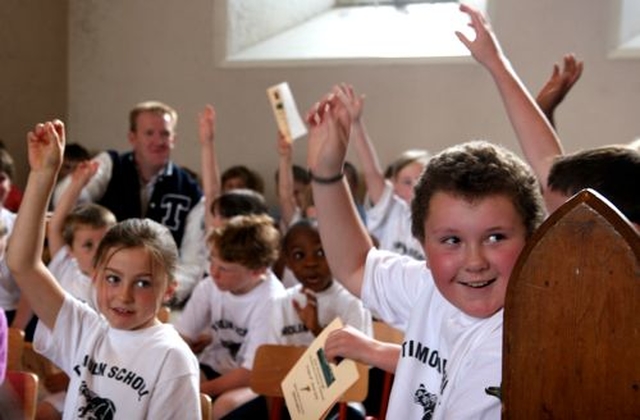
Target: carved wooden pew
{"type": "Point", "coordinates": [572, 318]}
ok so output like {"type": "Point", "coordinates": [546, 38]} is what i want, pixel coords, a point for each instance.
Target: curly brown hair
{"type": "Point", "coordinates": [476, 170]}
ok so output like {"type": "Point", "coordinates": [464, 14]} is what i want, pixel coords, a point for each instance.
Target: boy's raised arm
{"type": "Point", "coordinates": [537, 138]}
{"type": "Point", "coordinates": [286, 196]}
{"type": "Point", "coordinates": [24, 252]}
{"type": "Point", "coordinates": [367, 155]}
{"type": "Point", "coordinates": [79, 178]}
{"type": "Point", "coordinates": [209, 161]}
{"type": "Point", "coordinates": [345, 240]}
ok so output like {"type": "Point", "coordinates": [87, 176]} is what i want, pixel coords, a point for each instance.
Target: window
{"type": "Point", "coordinates": [320, 31]}
{"type": "Point", "coordinates": [626, 42]}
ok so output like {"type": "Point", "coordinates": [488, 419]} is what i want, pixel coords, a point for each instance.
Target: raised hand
{"type": "Point", "coordinates": [329, 128]}
{"type": "Point", "coordinates": [84, 171]}
{"type": "Point", "coordinates": [285, 147]}
{"type": "Point", "coordinates": [46, 146]}
{"type": "Point", "coordinates": [354, 103]}
{"type": "Point", "coordinates": [207, 124]}
{"type": "Point", "coordinates": [485, 47]}
{"type": "Point", "coordinates": [559, 84]}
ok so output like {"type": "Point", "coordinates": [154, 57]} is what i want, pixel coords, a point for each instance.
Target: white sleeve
{"type": "Point", "coordinates": [193, 253]}
{"type": "Point", "coordinates": [97, 185]}
{"type": "Point", "coordinates": [378, 213]}
{"type": "Point", "coordinates": [196, 316]}
{"type": "Point", "coordinates": [392, 284]}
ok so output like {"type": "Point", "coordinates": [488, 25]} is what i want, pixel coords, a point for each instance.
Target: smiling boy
{"type": "Point", "coordinates": [475, 205]}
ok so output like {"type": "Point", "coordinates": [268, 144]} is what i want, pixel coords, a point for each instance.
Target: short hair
{"type": "Point", "coordinates": [611, 170]}
{"type": "Point", "coordinates": [155, 238]}
{"type": "Point", "coordinates": [300, 174]}
{"type": "Point", "coordinates": [405, 159]}
{"type": "Point", "coordinates": [251, 179]}
{"type": "Point", "coordinates": [239, 202]}
{"type": "Point", "coordinates": [155, 107]}
{"type": "Point", "coordinates": [252, 241]}
{"type": "Point", "coordinates": [475, 170]}
{"type": "Point", "coordinates": [76, 151]}
{"type": "Point", "coordinates": [6, 163]}
{"type": "Point", "coordinates": [302, 224]}
{"type": "Point", "coordinates": [92, 215]}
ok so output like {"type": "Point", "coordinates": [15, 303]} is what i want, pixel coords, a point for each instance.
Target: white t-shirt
{"type": "Point", "coordinates": [448, 358]}
{"type": "Point", "coordinates": [9, 290]}
{"type": "Point", "coordinates": [336, 301]}
{"type": "Point", "coordinates": [194, 254]}
{"type": "Point", "coordinates": [122, 374]}
{"type": "Point", "coordinates": [389, 220]}
{"type": "Point", "coordinates": [65, 269]}
{"type": "Point", "coordinates": [239, 324]}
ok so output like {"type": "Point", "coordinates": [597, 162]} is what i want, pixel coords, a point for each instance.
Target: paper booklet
{"type": "Point", "coordinates": [314, 384]}
{"type": "Point", "coordinates": [284, 109]}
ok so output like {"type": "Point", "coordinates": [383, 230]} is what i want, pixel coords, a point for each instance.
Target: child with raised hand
{"type": "Point", "coordinates": [125, 358]}
{"type": "Point", "coordinates": [234, 306]}
{"type": "Point", "coordinates": [388, 217]}
{"type": "Point", "coordinates": [193, 252]}
{"type": "Point", "coordinates": [73, 235]}
{"type": "Point", "coordinates": [475, 206]}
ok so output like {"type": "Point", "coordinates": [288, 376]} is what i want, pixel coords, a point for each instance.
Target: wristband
{"type": "Point", "coordinates": [328, 180]}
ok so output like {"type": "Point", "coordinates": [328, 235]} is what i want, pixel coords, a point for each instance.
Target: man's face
{"type": "Point", "coordinates": [153, 140]}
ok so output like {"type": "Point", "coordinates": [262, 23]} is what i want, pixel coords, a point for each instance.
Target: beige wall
{"type": "Point", "coordinates": [125, 51]}
{"type": "Point", "coordinates": [33, 70]}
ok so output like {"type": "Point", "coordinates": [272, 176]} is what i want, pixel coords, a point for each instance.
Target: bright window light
{"type": "Point", "coordinates": [371, 32]}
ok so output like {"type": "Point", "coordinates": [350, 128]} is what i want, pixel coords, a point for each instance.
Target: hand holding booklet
{"type": "Point", "coordinates": [285, 111]}
{"type": "Point", "coordinates": [314, 384]}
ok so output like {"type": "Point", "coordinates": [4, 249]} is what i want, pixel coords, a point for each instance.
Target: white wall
{"type": "Point", "coordinates": [125, 51]}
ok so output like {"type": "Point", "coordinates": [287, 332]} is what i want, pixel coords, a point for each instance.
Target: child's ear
{"type": "Point", "coordinates": [259, 272]}
{"type": "Point", "coordinates": [169, 292]}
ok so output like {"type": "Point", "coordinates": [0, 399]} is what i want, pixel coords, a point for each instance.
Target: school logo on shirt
{"type": "Point", "coordinates": [427, 400]}
{"type": "Point", "coordinates": [96, 407]}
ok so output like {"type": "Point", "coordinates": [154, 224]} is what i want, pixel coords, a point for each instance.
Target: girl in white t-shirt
{"type": "Point", "coordinates": [123, 362]}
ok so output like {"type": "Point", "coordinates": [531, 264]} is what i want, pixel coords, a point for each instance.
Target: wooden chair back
{"type": "Point", "coordinates": [205, 406]}
{"type": "Point", "coordinates": [15, 340]}
{"type": "Point", "coordinates": [385, 332]}
{"type": "Point", "coordinates": [19, 395]}
{"type": "Point", "coordinates": [572, 317]}
{"type": "Point", "coordinates": [272, 363]}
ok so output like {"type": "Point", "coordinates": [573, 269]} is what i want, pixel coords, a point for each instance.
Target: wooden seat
{"type": "Point", "coordinates": [15, 339]}
{"type": "Point", "coordinates": [272, 363]}
{"type": "Point", "coordinates": [205, 406]}
{"type": "Point", "coordinates": [19, 395]}
{"type": "Point", "coordinates": [386, 333]}
{"type": "Point", "coordinates": [571, 318]}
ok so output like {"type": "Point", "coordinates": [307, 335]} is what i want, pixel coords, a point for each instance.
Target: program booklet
{"type": "Point", "coordinates": [285, 111]}
{"type": "Point", "coordinates": [314, 384]}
